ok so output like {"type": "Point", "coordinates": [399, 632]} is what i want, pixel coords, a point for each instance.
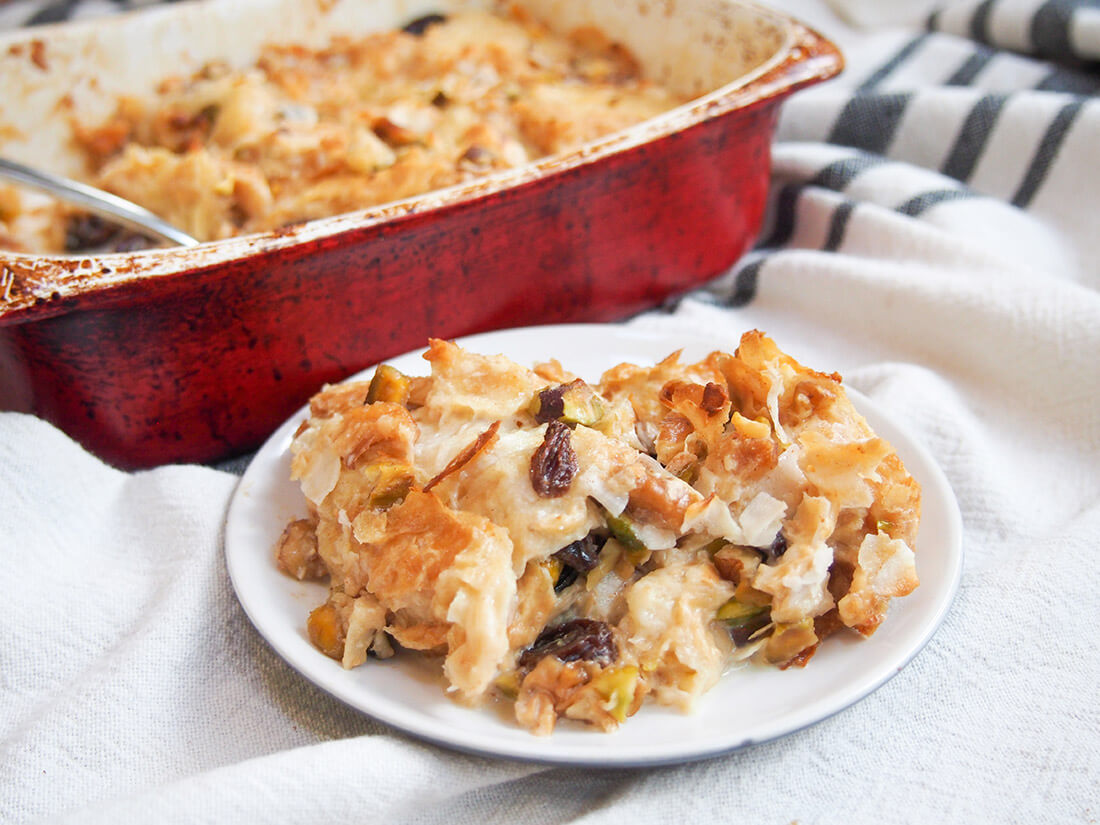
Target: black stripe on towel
{"type": "Point", "coordinates": [977, 26]}
{"type": "Point", "coordinates": [783, 222]}
{"type": "Point", "coordinates": [839, 174]}
{"type": "Point", "coordinates": [973, 137]}
{"type": "Point", "coordinates": [53, 13]}
{"type": "Point", "coordinates": [744, 285]}
{"type": "Point", "coordinates": [971, 68]}
{"type": "Point", "coordinates": [1050, 28]}
{"type": "Point", "coordinates": [1046, 153]}
{"type": "Point", "coordinates": [916, 206]}
{"type": "Point", "coordinates": [838, 225]}
{"type": "Point", "coordinates": [869, 121]}
{"type": "Point", "coordinates": [886, 69]}
{"type": "Point", "coordinates": [1067, 80]}
{"type": "Point", "coordinates": [979, 22]}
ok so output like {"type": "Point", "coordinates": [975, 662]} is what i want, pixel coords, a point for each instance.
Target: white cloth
{"type": "Point", "coordinates": [934, 236]}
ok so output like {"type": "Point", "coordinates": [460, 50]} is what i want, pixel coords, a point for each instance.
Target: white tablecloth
{"type": "Point", "coordinates": [934, 236]}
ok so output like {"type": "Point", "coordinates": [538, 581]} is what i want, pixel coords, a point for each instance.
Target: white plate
{"type": "Point", "coordinates": [749, 705]}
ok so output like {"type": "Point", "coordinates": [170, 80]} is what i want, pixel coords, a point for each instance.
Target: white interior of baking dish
{"type": "Point", "coordinates": [53, 74]}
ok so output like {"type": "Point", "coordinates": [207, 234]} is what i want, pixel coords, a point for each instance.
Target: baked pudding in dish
{"type": "Point", "coordinates": [303, 134]}
{"type": "Point", "coordinates": [573, 548]}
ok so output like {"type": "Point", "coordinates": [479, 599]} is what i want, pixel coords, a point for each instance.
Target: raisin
{"type": "Point", "coordinates": [776, 549]}
{"type": "Point", "coordinates": [551, 404]}
{"type": "Point", "coordinates": [420, 25]}
{"type": "Point", "coordinates": [582, 555]}
{"type": "Point", "coordinates": [566, 577]}
{"type": "Point", "coordinates": [578, 640]}
{"type": "Point", "coordinates": [86, 231]}
{"type": "Point", "coordinates": [743, 620]}
{"type": "Point", "coordinates": [572, 403]}
{"type": "Point", "coordinates": [741, 634]}
{"type": "Point", "coordinates": [576, 558]}
{"type": "Point", "coordinates": [554, 464]}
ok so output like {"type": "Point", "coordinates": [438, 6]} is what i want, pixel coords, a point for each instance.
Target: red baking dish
{"type": "Point", "coordinates": [197, 354]}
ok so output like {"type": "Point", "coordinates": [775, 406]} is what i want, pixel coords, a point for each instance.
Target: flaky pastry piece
{"type": "Point", "coordinates": [575, 548]}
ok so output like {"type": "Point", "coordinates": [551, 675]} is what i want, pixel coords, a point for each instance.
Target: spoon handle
{"type": "Point", "coordinates": [102, 203]}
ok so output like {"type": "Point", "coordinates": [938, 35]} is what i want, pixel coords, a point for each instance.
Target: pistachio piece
{"type": "Point", "coordinates": [743, 620]}
{"type": "Point", "coordinates": [388, 384]}
{"type": "Point", "coordinates": [391, 482]}
{"type": "Point", "coordinates": [622, 528]}
{"type": "Point", "coordinates": [618, 687]}
{"type": "Point", "coordinates": [572, 403]}
{"type": "Point", "coordinates": [508, 683]}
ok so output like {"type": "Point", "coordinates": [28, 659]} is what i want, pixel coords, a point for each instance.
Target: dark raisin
{"type": "Point", "coordinates": [566, 577]}
{"type": "Point", "coordinates": [440, 100]}
{"type": "Point", "coordinates": [740, 633]}
{"type": "Point", "coordinates": [420, 25]}
{"type": "Point", "coordinates": [554, 463]}
{"type": "Point", "coordinates": [85, 231]}
{"type": "Point", "coordinates": [742, 619]}
{"type": "Point", "coordinates": [572, 403]}
{"type": "Point", "coordinates": [551, 404]}
{"type": "Point", "coordinates": [776, 549]}
{"type": "Point", "coordinates": [576, 558]}
{"type": "Point", "coordinates": [578, 640]}
{"type": "Point", "coordinates": [582, 555]}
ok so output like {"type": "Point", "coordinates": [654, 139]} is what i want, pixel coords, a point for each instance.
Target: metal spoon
{"type": "Point", "coordinates": [104, 204]}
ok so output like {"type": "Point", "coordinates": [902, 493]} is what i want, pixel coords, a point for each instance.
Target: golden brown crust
{"type": "Point", "coordinates": [338, 398]}
{"type": "Point", "coordinates": [419, 541]}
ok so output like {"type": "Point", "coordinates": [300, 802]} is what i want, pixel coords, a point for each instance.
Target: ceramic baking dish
{"type": "Point", "coordinates": [197, 354]}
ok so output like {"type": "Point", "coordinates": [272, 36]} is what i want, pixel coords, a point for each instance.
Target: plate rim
{"type": "Point", "coordinates": [605, 757]}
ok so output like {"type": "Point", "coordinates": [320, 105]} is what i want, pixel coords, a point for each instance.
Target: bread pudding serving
{"type": "Point", "coordinates": [574, 548]}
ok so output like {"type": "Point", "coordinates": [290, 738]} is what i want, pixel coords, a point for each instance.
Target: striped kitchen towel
{"type": "Point", "coordinates": [17, 13]}
{"type": "Point", "coordinates": [984, 126]}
